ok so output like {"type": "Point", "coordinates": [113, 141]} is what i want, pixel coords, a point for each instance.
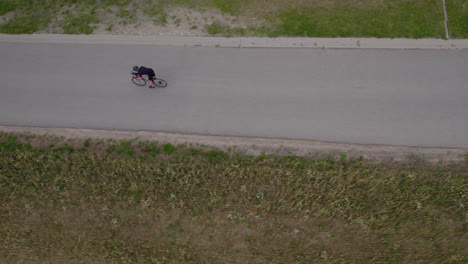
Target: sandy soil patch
{"type": "Point", "coordinates": [178, 21]}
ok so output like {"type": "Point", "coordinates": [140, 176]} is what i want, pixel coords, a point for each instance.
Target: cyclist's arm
{"type": "Point", "coordinates": [136, 75]}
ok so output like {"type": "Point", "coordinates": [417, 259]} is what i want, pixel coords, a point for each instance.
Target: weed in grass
{"type": "Point", "coordinates": [261, 157]}
{"type": "Point", "coordinates": [66, 148]}
{"type": "Point", "coordinates": [11, 144]}
{"type": "Point", "coordinates": [11, 138]}
{"type": "Point", "coordinates": [162, 19]}
{"type": "Point", "coordinates": [238, 31]}
{"type": "Point", "coordinates": [243, 159]}
{"type": "Point", "coordinates": [215, 28]}
{"type": "Point", "coordinates": [343, 158]}
{"type": "Point", "coordinates": [125, 147]}
{"type": "Point", "coordinates": [415, 159]}
{"type": "Point", "coordinates": [115, 2]}
{"type": "Point", "coordinates": [87, 143]}
{"type": "Point", "coordinates": [151, 12]}
{"type": "Point", "coordinates": [194, 152]}
{"type": "Point", "coordinates": [157, 13]}
{"type": "Point", "coordinates": [215, 156]}
{"type": "Point", "coordinates": [153, 148]}
{"type": "Point", "coordinates": [294, 162]}
{"type": "Point", "coordinates": [193, 27]}
{"type": "Point", "coordinates": [110, 149]}
{"type": "Point", "coordinates": [123, 13]}
{"type": "Point", "coordinates": [231, 7]}
{"type": "Point", "coordinates": [168, 149]}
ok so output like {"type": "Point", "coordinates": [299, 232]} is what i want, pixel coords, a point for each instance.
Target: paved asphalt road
{"type": "Point", "coordinates": [400, 97]}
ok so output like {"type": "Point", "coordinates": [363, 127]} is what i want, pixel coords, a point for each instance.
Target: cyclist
{"type": "Point", "coordinates": [145, 71]}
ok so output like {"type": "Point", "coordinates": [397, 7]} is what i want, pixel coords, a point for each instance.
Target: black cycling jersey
{"type": "Point", "coordinates": [146, 71]}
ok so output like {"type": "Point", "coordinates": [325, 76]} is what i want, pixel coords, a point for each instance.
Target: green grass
{"type": "Point", "coordinates": [124, 147]}
{"type": "Point", "coordinates": [152, 148]}
{"type": "Point", "coordinates": [215, 28]}
{"type": "Point", "coordinates": [327, 18]}
{"type": "Point", "coordinates": [7, 6]}
{"type": "Point", "coordinates": [66, 148]}
{"type": "Point", "coordinates": [458, 18]}
{"type": "Point", "coordinates": [123, 13]}
{"type": "Point", "coordinates": [335, 18]}
{"type": "Point", "coordinates": [25, 24]}
{"type": "Point", "coordinates": [179, 204]}
{"type": "Point", "coordinates": [79, 24]}
{"type": "Point", "coordinates": [116, 2]}
{"type": "Point", "coordinates": [408, 20]}
{"type": "Point", "coordinates": [219, 29]}
{"type": "Point", "coordinates": [87, 143]}
{"type": "Point", "coordinates": [231, 7]}
{"type": "Point", "coordinates": [161, 20]}
{"type": "Point", "coordinates": [156, 13]}
{"type": "Point", "coordinates": [168, 149]}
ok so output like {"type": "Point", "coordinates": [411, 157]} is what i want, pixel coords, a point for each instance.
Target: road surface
{"type": "Point", "coordinates": [364, 96]}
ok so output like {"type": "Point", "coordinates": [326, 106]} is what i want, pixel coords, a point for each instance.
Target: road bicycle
{"type": "Point", "coordinates": [142, 82]}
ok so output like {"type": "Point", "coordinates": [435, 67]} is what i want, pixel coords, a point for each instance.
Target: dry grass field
{"type": "Point", "coordinates": [107, 201]}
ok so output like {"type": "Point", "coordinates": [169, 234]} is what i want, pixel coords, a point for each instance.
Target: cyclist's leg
{"type": "Point", "coordinates": [151, 81]}
{"type": "Point", "coordinates": [151, 78]}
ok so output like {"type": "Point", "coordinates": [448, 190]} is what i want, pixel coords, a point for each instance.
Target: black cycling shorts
{"type": "Point", "coordinates": [151, 75]}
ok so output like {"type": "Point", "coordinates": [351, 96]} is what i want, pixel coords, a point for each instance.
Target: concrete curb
{"type": "Point", "coordinates": [255, 42]}
{"type": "Point", "coordinates": [256, 146]}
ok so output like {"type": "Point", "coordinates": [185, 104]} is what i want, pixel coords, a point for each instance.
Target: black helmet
{"type": "Point", "coordinates": [135, 68]}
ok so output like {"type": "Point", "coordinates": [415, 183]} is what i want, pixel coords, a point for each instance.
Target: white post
{"type": "Point", "coordinates": [447, 35]}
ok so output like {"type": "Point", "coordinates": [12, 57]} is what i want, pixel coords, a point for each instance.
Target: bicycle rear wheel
{"type": "Point", "coordinates": [140, 82]}
{"type": "Point", "coordinates": [160, 83]}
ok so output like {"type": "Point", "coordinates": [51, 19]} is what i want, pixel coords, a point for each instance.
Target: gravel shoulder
{"type": "Point", "coordinates": [257, 146]}
{"type": "Point", "coordinates": [243, 42]}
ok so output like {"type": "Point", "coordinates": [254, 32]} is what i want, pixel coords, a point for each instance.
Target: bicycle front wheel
{"type": "Point", "coordinates": [160, 83]}
{"type": "Point", "coordinates": [140, 82]}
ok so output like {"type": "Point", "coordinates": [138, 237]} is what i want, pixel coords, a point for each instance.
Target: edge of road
{"type": "Point", "coordinates": [257, 146]}
{"type": "Point", "coordinates": [241, 42]}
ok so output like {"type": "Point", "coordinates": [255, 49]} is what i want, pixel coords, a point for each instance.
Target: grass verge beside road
{"type": "Point", "coordinates": [25, 24]}
{"type": "Point", "coordinates": [106, 201]}
{"type": "Point", "coordinates": [328, 18]}
{"type": "Point", "coordinates": [457, 11]}
{"type": "Point", "coordinates": [409, 19]}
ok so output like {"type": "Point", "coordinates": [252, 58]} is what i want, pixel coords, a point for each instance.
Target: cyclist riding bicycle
{"type": "Point", "coordinates": [145, 71]}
